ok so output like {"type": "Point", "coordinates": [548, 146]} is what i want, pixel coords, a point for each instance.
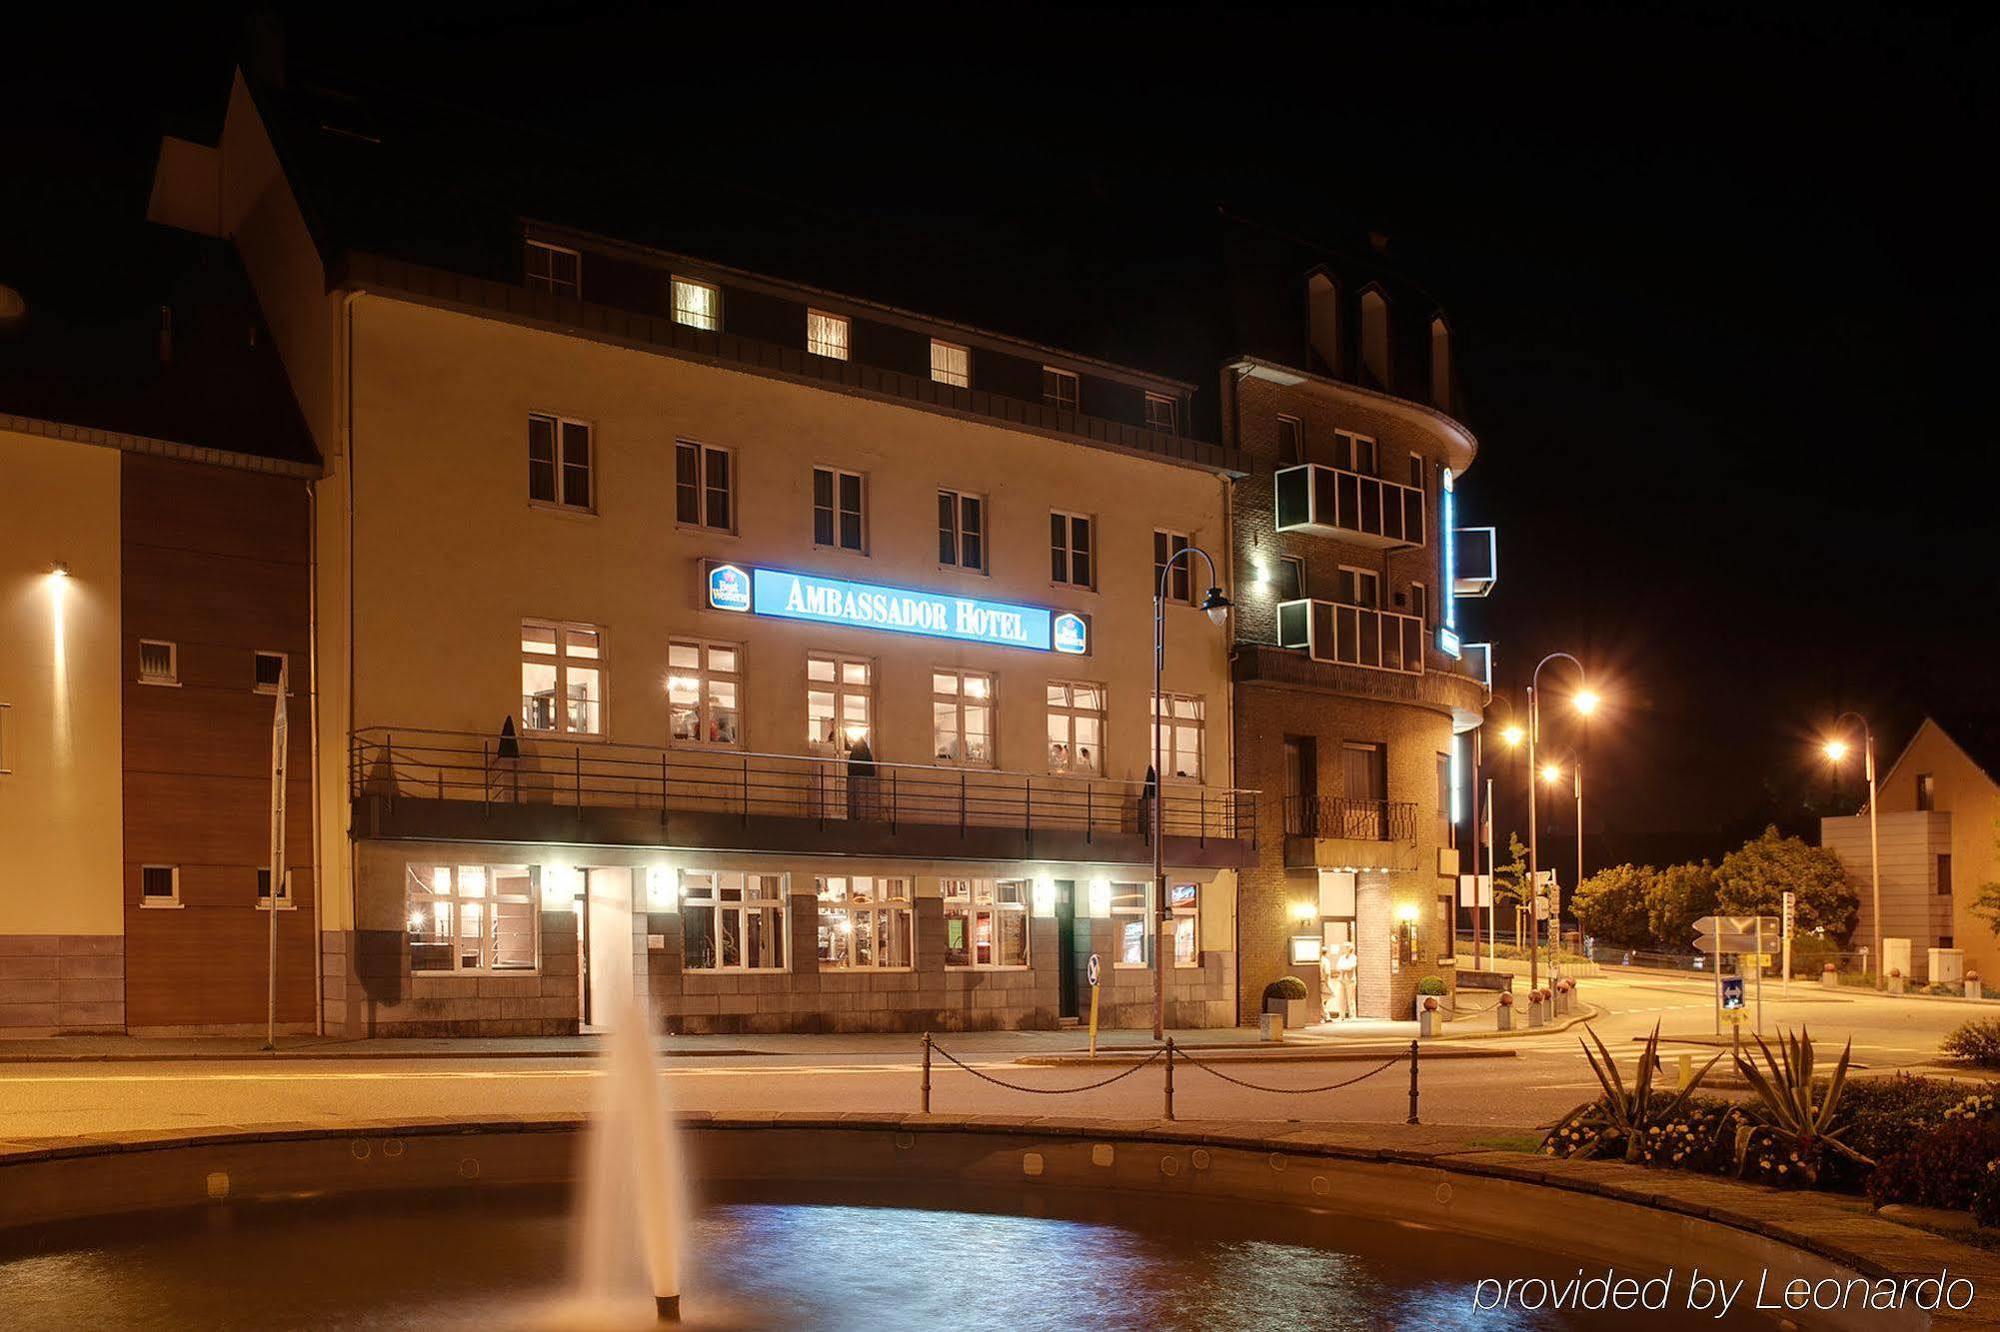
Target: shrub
{"type": "Point", "coordinates": [1943, 1167]}
{"type": "Point", "coordinates": [1285, 987]}
{"type": "Point", "coordinates": [1811, 953]}
{"type": "Point", "coordinates": [1986, 1198]}
{"type": "Point", "coordinates": [1432, 985]}
{"type": "Point", "coordinates": [1976, 1042]}
{"type": "Point", "coordinates": [1611, 905]}
{"type": "Point", "coordinates": [1880, 1116]}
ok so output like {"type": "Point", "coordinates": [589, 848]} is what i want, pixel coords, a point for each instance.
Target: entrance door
{"type": "Point", "coordinates": [605, 924]}
{"type": "Point", "coordinates": [1364, 778]}
{"type": "Point", "coordinates": [1071, 934]}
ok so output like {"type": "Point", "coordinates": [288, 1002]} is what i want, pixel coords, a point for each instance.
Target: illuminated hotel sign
{"type": "Point", "coordinates": [896, 610]}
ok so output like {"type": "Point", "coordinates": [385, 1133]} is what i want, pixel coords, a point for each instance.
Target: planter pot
{"type": "Point", "coordinates": [1298, 1013]}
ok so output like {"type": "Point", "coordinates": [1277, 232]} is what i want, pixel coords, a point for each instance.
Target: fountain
{"type": "Point", "coordinates": [631, 1212]}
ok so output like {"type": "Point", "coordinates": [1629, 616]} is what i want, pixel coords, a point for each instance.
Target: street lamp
{"type": "Point", "coordinates": [1585, 702]}
{"type": "Point", "coordinates": [1511, 735]}
{"type": "Point", "coordinates": [1836, 750]}
{"type": "Point", "coordinates": [1216, 607]}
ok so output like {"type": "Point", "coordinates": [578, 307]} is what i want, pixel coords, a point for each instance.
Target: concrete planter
{"type": "Point", "coordinates": [1974, 989]}
{"type": "Point", "coordinates": [1504, 1018]}
{"type": "Point", "coordinates": [1271, 1027]}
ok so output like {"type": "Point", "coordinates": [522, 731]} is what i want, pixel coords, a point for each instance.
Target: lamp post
{"type": "Point", "coordinates": [1586, 703]}
{"type": "Point", "coordinates": [1836, 750]}
{"type": "Point", "coordinates": [1511, 736]}
{"type": "Point", "coordinates": [1217, 607]}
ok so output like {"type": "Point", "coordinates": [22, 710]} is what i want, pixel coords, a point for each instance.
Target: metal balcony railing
{"type": "Point", "coordinates": [392, 763]}
{"type": "Point", "coordinates": [1355, 819]}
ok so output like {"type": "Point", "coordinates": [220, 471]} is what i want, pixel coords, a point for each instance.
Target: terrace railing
{"type": "Point", "coordinates": [1354, 819]}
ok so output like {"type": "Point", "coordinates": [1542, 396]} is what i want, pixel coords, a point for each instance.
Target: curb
{"type": "Point", "coordinates": [315, 1055]}
{"type": "Point", "coordinates": [1589, 1013]}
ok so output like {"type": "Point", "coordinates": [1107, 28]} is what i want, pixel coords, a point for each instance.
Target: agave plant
{"type": "Point", "coordinates": [1623, 1114]}
{"type": "Point", "coordinates": [1799, 1114]}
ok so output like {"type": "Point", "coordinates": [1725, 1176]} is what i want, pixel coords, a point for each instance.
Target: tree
{"type": "Point", "coordinates": [1511, 874]}
{"type": "Point", "coordinates": [1679, 896]}
{"type": "Point", "coordinates": [1751, 881]}
{"type": "Point", "coordinates": [1610, 905]}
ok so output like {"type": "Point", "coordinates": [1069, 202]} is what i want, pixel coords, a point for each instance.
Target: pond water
{"type": "Point", "coordinates": [883, 1261]}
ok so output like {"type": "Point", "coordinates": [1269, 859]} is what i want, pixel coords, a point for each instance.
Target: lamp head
{"type": "Point", "coordinates": [1551, 773]}
{"type": "Point", "coordinates": [1586, 701]}
{"type": "Point", "coordinates": [1513, 735]}
{"type": "Point", "coordinates": [1836, 750]}
{"type": "Point", "coordinates": [1216, 605]}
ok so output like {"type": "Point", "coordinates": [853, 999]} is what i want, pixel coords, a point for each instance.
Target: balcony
{"type": "Point", "coordinates": [1366, 510]}
{"type": "Point", "coordinates": [1347, 635]}
{"type": "Point", "coordinates": [1477, 562]}
{"type": "Point", "coordinates": [457, 786]}
{"type": "Point", "coordinates": [1338, 832]}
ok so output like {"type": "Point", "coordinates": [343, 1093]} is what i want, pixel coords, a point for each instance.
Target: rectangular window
{"type": "Point", "coordinates": [1185, 740]}
{"type": "Point", "coordinates": [703, 486]}
{"type": "Point", "coordinates": [267, 669]}
{"type": "Point", "coordinates": [1359, 587]}
{"type": "Point", "coordinates": [1416, 471]}
{"type": "Point", "coordinates": [1059, 388]}
{"type": "Point", "coordinates": [697, 304]}
{"type": "Point", "coordinates": [554, 268]}
{"type": "Point", "coordinates": [562, 678]}
{"type": "Point", "coordinates": [1179, 583]}
{"type": "Point", "coordinates": [962, 717]}
{"type": "Point", "coordinates": [476, 918]}
{"type": "Point", "coordinates": [826, 334]}
{"type": "Point", "coordinates": [1420, 602]}
{"type": "Point", "coordinates": [1447, 830]}
{"type": "Point", "coordinates": [1357, 453]}
{"type": "Point", "coordinates": [1944, 874]}
{"type": "Point", "coordinates": [6, 741]}
{"type": "Point", "coordinates": [951, 364]}
{"type": "Point", "coordinates": [864, 923]}
{"type": "Point", "coordinates": [837, 516]}
{"type": "Point", "coordinates": [264, 888]}
{"type": "Point", "coordinates": [159, 662]}
{"type": "Point", "coordinates": [962, 530]}
{"type": "Point", "coordinates": [840, 704]}
{"type": "Point", "coordinates": [1291, 441]}
{"type": "Point", "coordinates": [1291, 578]}
{"type": "Point", "coordinates": [732, 921]}
{"type": "Point", "coordinates": [1135, 925]}
{"type": "Point", "coordinates": [1160, 414]}
{"type": "Point", "coordinates": [1447, 927]}
{"type": "Point", "coordinates": [1072, 554]}
{"type": "Point", "coordinates": [705, 693]}
{"type": "Point", "coordinates": [985, 923]}
{"type": "Point", "coordinates": [559, 464]}
{"type": "Point", "coordinates": [1926, 791]}
{"type": "Point", "coordinates": [159, 885]}
{"type": "Point", "coordinates": [1076, 728]}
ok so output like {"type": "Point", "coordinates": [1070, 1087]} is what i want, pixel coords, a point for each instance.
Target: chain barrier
{"type": "Point", "coordinates": [1045, 1091]}
{"type": "Point", "coordinates": [1293, 1091]}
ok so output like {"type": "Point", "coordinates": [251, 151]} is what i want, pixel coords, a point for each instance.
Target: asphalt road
{"type": "Point", "coordinates": [1513, 1095]}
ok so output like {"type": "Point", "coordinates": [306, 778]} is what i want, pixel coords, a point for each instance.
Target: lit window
{"type": "Point", "coordinates": [476, 918]}
{"type": "Point", "coordinates": [1059, 388]}
{"type": "Point", "coordinates": [553, 268]}
{"type": "Point", "coordinates": [1291, 441]}
{"type": "Point", "coordinates": [826, 334]}
{"type": "Point", "coordinates": [703, 486]}
{"type": "Point", "coordinates": [985, 923]}
{"type": "Point", "coordinates": [1167, 546]}
{"type": "Point", "coordinates": [705, 693]}
{"type": "Point", "coordinates": [864, 922]}
{"type": "Point", "coordinates": [1072, 559]}
{"type": "Point", "coordinates": [962, 717]}
{"type": "Point", "coordinates": [837, 512]}
{"type": "Point", "coordinates": [268, 670]}
{"type": "Point", "coordinates": [962, 530]}
{"type": "Point", "coordinates": [159, 885]}
{"type": "Point", "coordinates": [562, 678]}
{"type": "Point", "coordinates": [731, 921]}
{"type": "Point", "coordinates": [840, 704]}
{"type": "Point", "coordinates": [1160, 414]}
{"type": "Point", "coordinates": [159, 662]}
{"type": "Point", "coordinates": [1185, 734]}
{"type": "Point", "coordinates": [1134, 925]}
{"type": "Point", "coordinates": [697, 304]}
{"type": "Point", "coordinates": [1076, 728]}
{"type": "Point", "coordinates": [264, 888]}
{"type": "Point", "coordinates": [558, 461]}
{"type": "Point", "coordinates": [951, 364]}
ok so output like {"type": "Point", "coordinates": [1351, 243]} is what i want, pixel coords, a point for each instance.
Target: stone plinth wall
{"type": "Point", "coordinates": [61, 984]}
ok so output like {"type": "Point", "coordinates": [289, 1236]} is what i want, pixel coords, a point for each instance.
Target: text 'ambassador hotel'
{"type": "Point", "coordinates": [784, 658]}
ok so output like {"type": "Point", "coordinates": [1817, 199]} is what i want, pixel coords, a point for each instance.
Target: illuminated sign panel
{"type": "Point", "coordinates": [897, 610]}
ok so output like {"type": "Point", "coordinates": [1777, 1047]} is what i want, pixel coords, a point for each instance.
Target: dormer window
{"type": "Point", "coordinates": [826, 334]}
{"type": "Point", "coordinates": [1059, 388]}
{"type": "Point", "coordinates": [1160, 413]}
{"type": "Point", "coordinates": [556, 269]}
{"type": "Point", "coordinates": [697, 304]}
{"type": "Point", "coordinates": [1374, 339]}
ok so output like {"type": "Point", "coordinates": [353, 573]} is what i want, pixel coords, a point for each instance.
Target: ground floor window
{"type": "Point", "coordinates": [478, 918]}
{"type": "Point", "coordinates": [864, 922]}
{"type": "Point", "coordinates": [985, 922]}
{"type": "Point", "coordinates": [731, 921]}
{"type": "Point", "coordinates": [1133, 920]}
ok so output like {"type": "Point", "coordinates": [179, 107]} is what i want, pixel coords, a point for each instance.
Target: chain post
{"type": "Point", "coordinates": [1170, 1079]}
{"type": "Point", "coordinates": [1413, 1084]}
{"type": "Point", "coordinates": [925, 1104]}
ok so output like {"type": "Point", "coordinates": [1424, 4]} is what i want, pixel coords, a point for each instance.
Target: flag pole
{"type": "Point", "coordinates": [277, 876]}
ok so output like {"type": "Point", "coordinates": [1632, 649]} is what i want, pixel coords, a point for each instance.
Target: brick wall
{"type": "Point", "coordinates": [61, 984]}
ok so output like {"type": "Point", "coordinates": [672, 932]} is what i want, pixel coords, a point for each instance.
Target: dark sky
{"type": "Point", "coordinates": [1719, 279]}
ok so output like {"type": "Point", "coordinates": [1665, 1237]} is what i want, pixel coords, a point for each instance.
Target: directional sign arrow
{"type": "Point", "coordinates": [1735, 924]}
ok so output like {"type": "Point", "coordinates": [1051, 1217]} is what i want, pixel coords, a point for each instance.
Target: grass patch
{"type": "Point", "coordinates": [1511, 1142]}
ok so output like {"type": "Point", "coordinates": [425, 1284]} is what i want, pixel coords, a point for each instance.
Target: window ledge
{"type": "Point", "coordinates": [560, 510]}
{"type": "Point", "coordinates": [528, 733]}
{"type": "Point", "coordinates": [161, 906]}
{"type": "Point", "coordinates": [702, 529]}
{"type": "Point", "coordinates": [158, 684]}
{"type": "Point", "coordinates": [282, 906]}
{"type": "Point", "coordinates": [1026, 966]}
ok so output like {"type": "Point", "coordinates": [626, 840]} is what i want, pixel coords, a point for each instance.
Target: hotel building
{"type": "Point", "coordinates": [773, 655]}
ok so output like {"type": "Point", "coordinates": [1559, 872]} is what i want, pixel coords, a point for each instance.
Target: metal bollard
{"type": "Point", "coordinates": [924, 1106]}
{"type": "Point", "coordinates": [1170, 1079]}
{"type": "Point", "coordinates": [1413, 1084]}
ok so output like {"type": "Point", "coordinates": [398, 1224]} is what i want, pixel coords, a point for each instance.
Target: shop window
{"type": "Point", "coordinates": [864, 923]}
{"type": "Point", "coordinates": [732, 921]}
{"type": "Point", "coordinates": [705, 693]}
{"type": "Point", "coordinates": [985, 923]}
{"type": "Point", "coordinates": [1135, 924]}
{"type": "Point", "coordinates": [472, 918]}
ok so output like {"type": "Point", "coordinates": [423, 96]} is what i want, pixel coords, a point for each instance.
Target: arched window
{"type": "Point", "coordinates": [1323, 320]}
{"type": "Point", "coordinates": [1440, 364]}
{"type": "Point", "coordinates": [1374, 339]}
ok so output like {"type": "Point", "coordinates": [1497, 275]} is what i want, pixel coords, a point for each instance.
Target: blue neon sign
{"type": "Point", "coordinates": [897, 610]}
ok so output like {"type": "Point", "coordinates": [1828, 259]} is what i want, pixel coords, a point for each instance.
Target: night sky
{"type": "Point", "coordinates": [1719, 283]}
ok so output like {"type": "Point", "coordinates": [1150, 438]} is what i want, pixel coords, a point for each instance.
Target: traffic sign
{"type": "Point", "coordinates": [1736, 925]}
{"type": "Point", "coordinates": [1091, 971]}
{"type": "Point", "coordinates": [1732, 994]}
{"type": "Point", "coordinates": [1729, 943]}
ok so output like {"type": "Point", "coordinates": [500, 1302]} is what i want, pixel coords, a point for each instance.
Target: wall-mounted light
{"type": "Point", "coordinates": [659, 886]}
{"type": "Point", "coordinates": [1305, 910]}
{"type": "Point", "coordinates": [59, 569]}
